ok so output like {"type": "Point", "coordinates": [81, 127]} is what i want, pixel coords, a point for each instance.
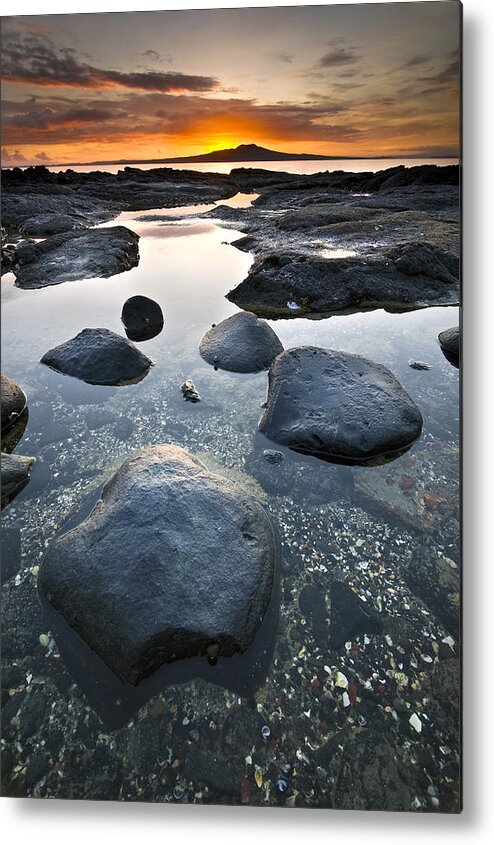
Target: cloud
{"type": "Point", "coordinates": [416, 61]}
{"type": "Point", "coordinates": [156, 115]}
{"type": "Point", "coordinates": [12, 158]}
{"type": "Point", "coordinates": [284, 57]}
{"type": "Point", "coordinates": [32, 58]}
{"type": "Point", "coordinates": [338, 56]}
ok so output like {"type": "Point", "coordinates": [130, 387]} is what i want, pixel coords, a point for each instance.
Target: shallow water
{"type": "Point", "coordinates": [333, 521]}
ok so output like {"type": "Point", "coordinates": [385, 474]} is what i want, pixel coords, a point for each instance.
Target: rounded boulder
{"type": "Point", "coordinates": [242, 343]}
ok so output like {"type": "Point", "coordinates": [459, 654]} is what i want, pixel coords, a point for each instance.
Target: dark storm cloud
{"type": "Point", "coordinates": [32, 58]}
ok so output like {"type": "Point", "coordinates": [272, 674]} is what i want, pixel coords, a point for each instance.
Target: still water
{"type": "Point", "coordinates": [356, 165]}
{"type": "Point", "coordinates": [384, 530]}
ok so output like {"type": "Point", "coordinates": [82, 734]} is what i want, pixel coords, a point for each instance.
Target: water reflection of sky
{"type": "Point", "coordinates": [188, 266]}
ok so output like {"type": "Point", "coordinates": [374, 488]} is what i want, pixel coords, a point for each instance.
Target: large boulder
{"type": "Point", "coordinates": [173, 562]}
{"type": "Point", "coordinates": [337, 406]}
{"type": "Point", "coordinates": [13, 401]}
{"type": "Point", "coordinates": [142, 318]}
{"type": "Point", "coordinates": [99, 356]}
{"type": "Point", "coordinates": [241, 343]}
{"type": "Point", "coordinates": [71, 256]}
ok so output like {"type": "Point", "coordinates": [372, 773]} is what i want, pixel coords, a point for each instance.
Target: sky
{"type": "Point", "coordinates": [352, 80]}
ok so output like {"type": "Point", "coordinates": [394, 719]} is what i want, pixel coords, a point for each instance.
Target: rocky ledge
{"type": "Point", "coordinates": [340, 242]}
{"type": "Point", "coordinates": [338, 407]}
{"type": "Point", "coordinates": [173, 562]}
{"type": "Point", "coordinates": [76, 255]}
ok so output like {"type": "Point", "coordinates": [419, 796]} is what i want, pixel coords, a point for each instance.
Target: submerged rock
{"type": "Point", "coordinates": [71, 256]}
{"type": "Point", "coordinates": [13, 401]}
{"type": "Point", "coordinates": [173, 562]}
{"type": "Point", "coordinates": [99, 356]}
{"type": "Point", "coordinates": [449, 341]}
{"type": "Point", "coordinates": [15, 475]}
{"type": "Point", "coordinates": [241, 343]}
{"type": "Point", "coordinates": [350, 616]}
{"type": "Point", "coordinates": [142, 318]}
{"type": "Point", "coordinates": [337, 406]}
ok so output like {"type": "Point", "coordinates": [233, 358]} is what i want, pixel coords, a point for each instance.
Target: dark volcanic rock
{"type": "Point", "coordinates": [71, 256]}
{"type": "Point", "coordinates": [99, 356]}
{"type": "Point", "coordinates": [337, 406]}
{"type": "Point", "coordinates": [13, 400]}
{"type": "Point", "coordinates": [173, 562]}
{"type": "Point", "coordinates": [241, 343]}
{"type": "Point", "coordinates": [412, 275]}
{"type": "Point", "coordinates": [142, 318]}
{"type": "Point", "coordinates": [15, 475]}
{"type": "Point", "coordinates": [44, 225]}
{"type": "Point", "coordinates": [449, 341]}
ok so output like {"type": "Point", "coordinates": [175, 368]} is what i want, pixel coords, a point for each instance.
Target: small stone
{"type": "Point", "coordinates": [415, 723]}
{"type": "Point", "coordinates": [189, 391]}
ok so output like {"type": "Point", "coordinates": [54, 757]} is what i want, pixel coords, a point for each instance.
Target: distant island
{"type": "Point", "coordinates": [244, 152]}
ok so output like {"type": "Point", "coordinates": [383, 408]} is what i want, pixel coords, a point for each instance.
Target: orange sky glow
{"type": "Point", "coordinates": [349, 84]}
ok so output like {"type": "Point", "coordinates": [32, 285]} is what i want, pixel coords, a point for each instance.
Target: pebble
{"type": "Point", "coordinates": [415, 722]}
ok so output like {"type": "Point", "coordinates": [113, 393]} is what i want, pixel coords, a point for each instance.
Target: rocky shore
{"type": "Point", "coordinates": [271, 528]}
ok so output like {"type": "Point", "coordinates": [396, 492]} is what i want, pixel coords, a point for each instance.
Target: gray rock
{"type": "Point", "coordinates": [449, 341]}
{"type": "Point", "coordinates": [71, 256]}
{"type": "Point", "coordinates": [272, 456]}
{"type": "Point", "coordinates": [189, 391]}
{"type": "Point", "coordinates": [142, 318]}
{"type": "Point", "coordinates": [13, 400]}
{"type": "Point", "coordinates": [15, 475]}
{"type": "Point", "coordinates": [412, 275]}
{"type": "Point", "coordinates": [337, 406]}
{"type": "Point", "coordinates": [44, 225]}
{"type": "Point", "coordinates": [173, 562]}
{"type": "Point", "coordinates": [241, 343]}
{"type": "Point", "coordinates": [99, 356]}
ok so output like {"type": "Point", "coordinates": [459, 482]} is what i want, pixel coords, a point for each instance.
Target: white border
{"type": "Point", "coordinates": [40, 822]}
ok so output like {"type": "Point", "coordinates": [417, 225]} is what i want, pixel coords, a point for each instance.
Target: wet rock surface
{"type": "Point", "coordinates": [99, 196]}
{"type": "Point", "coordinates": [72, 256]}
{"type": "Point", "coordinates": [337, 406]}
{"type": "Point", "coordinates": [449, 340]}
{"type": "Point", "coordinates": [142, 318]}
{"type": "Point", "coordinates": [241, 343]}
{"type": "Point", "coordinates": [331, 745]}
{"type": "Point", "coordinates": [98, 356]}
{"type": "Point", "coordinates": [200, 583]}
{"type": "Point", "coordinates": [15, 475]}
{"type": "Point", "coordinates": [13, 401]}
{"type": "Point", "coordinates": [412, 275]}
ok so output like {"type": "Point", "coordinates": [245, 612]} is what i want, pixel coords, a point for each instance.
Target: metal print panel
{"type": "Point", "coordinates": [230, 406]}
